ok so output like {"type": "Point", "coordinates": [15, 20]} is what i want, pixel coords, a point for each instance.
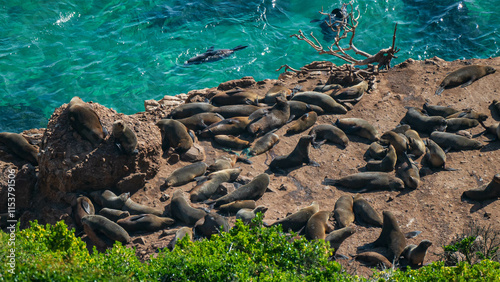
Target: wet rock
{"type": "Point", "coordinates": [244, 82]}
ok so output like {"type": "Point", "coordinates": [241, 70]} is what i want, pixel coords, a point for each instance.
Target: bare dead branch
{"type": "Point", "coordinates": [287, 67]}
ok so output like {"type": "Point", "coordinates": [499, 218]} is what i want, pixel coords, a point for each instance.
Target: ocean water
{"type": "Point", "coordinates": [120, 53]}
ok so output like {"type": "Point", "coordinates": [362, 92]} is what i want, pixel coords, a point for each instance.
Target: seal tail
{"type": "Point", "coordinates": [239, 47]}
{"type": "Point", "coordinates": [439, 90]}
{"type": "Point", "coordinates": [329, 181]}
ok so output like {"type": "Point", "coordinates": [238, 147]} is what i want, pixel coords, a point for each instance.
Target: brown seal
{"type": "Point", "coordinates": [303, 123]}
{"type": "Point", "coordinates": [276, 91]}
{"type": "Point", "coordinates": [235, 110]}
{"type": "Point", "coordinates": [297, 108]}
{"type": "Point", "coordinates": [422, 123]}
{"type": "Point", "coordinates": [298, 220]}
{"type": "Point", "coordinates": [182, 211]}
{"type": "Point", "coordinates": [185, 174]}
{"type": "Point", "coordinates": [136, 208]}
{"type": "Point", "coordinates": [200, 121]}
{"type": "Point", "coordinates": [409, 173]}
{"type": "Point", "coordinates": [145, 222]}
{"type": "Point", "coordinates": [175, 135]}
{"type": "Point", "coordinates": [246, 215]}
{"type": "Point", "coordinates": [456, 142]}
{"type": "Point", "coordinates": [317, 226]}
{"type": "Point", "coordinates": [377, 150]}
{"type": "Point", "coordinates": [20, 146]}
{"type": "Point", "coordinates": [211, 224]}
{"type": "Point", "coordinates": [359, 127]}
{"type": "Point", "coordinates": [94, 225]}
{"type": "Point", "coordinates": [234, 98]}
{"type": "Point", "coordinates": [336, 237]}
{"type": "Point", "coordinates": [231, 141]}
{"type": "Point", "coordinates": [387, 164]}
{"type": "Point", "coordinates": [373, 259]}
{"type": "Point", "coordinates": [327, 132]}
{"type": "Point", "coordinates": [206, 189]}
{"type": "Point", "coordinates": [391, 237]}
{"type": "Point", "coordinates": [365, 213]}
{"type": "Point", "coordinates": [495, 104]}
{"type": "Point", "coordinates": [230, 126]}
{"type": "Point", "coordinates": [264, 144]}
{"type": "Point", "coordinates": [486, 191]}
{"type": "Point", "coordinates": [223, 162]}
{"type": "Point", "coordinates": [366, 181]}
{"type": "Point", "coordinates": [351, 94]}
{"type": "Point", "coordinates": [181, 233]}
{"type": "Point", "coordinates": [399, 141]}
{"type": "Point", "coordinates": [470, 114]}
{"type": "Point", "coordinates": [343, 212]}
{"type": "Point", "coordinates": [85, 121]}
{"type": "Point", "coordinates": [434, 110]}
{"type": "Point", "coordinates": [109, 199]}
{"type": "Point", "coordinates": [125, 138]}
{"type": "Point", "coordinates": [415, 143]}
{"type": "Point", "coordinates": [83, 207]}
{"type": "Point", "coordinates": [277, 117]}
{"type": "Point", "coordinates": [113, 214]}
{"type": "Point", "coordinates": [416, 254]}
{"type": "Point", "coordinates": [327, 103]}
{"type": "Point", "coordinates": [235, 206]}
{"type": "Point", "coordinates": [456, 124]}
{"type": "Point", "coordinates": [251, 191]}
{"type": "Point", "coordinates": [190, 109]}
{"type": "Point", "coordinates": [464, 77]}
{"type": "Point", "coordinates": [297, 157]}
{"type": "Point", "coordinates": [434, 156]}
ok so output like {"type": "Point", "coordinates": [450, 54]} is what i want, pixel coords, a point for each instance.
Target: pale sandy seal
{"type": "Point", "coordinates": [486, 191]}
{"type": "Point", "coordinates": [416, 254]}
{"type": "Point", "coordinates": [251, 191]}
{"type": "Point", "coordinates": [211, 223]}
{"type": "Point", "coordinates": [83, 207]}
{"type": "Point", "coordinates": [373, 259]}
{"type": "Point", "coordinates": [351, 94]}
{"type": "Point", "coordinates": [276, 91]}
{"type": "Point", "coordinates": [200, 121]}
{"type": "Point", "coordinates": [85, 121]}
{"type": "Point", "coordinates": [303, 123]}
{"type": "Point", "coordinates": [456, 142]}
{"type": "Point", "coordinates": [20, 146]}
{"type": "Point", "coordinates": [231, 141]}
{"type": "Point", "coordinates": [327, 133]}
{"type": "Point", "coordinates": [297, 220]}
{"type": "Point", "coordinates": [246, 215]}
{"type": "Point", "coordinates": [366, 181]}
{"type": "Point", "coordinates": [434, 156]}
{"type": "Point", "coordinates": [336, 237]}
{"type": "Point", "coordinates": [181, 233]}
{"type": "Point", "coordinates": [422, 123]}
{"type": "Point", "coordinates": [231, 126]}
{"type": "Point", "coordinates": [223, 162]}
{"type": "Point", "coordinates": [205, 190]}
{"type": "Point", "coordinates": [175, 135]}
{"type": "Point", "coordinates": [113, 214]}
{"type": "Point", "coordinates": [343, 212]}
{"type": "Point", "coordinates": [235, 206]}
{"type": "Point", "coordinates": [97, 224]}
{"type": "Point", "coordinates": [264, 144]}
{"type": "Point", "coordinates": [297, 108]}
{"type": "Point", "coordinates": [387, 164]}
{"type": "Point", "coordinates": [456, 124]}
{"type": "Point", "coordinates": [277, 117]}
{"type": "Point", "coordinates": [464, 77]}
{"type": "Point", "coordinates": [234, 98]}
{"type": "Point", "coordinates": [359, 127]}
{"type": "Point", "coordinates": [185, 174]}
{"type": "Point", "coordinates": [365, 213]}
{"type": "Point", "coordinates": [327, 103]}
{"type": "Point", "coordinates": [317, 226]}
{"type": "Point", "coordinates": [125, 137]}
{"type": "Point", "coordinates": [109, 199]}
{"type": "Point", "coordinates": [391, 237]}
{"type": "Point", "coordinates": [434, 110]}
{"type": "Point", "coordinates": [190, 109]}
{"type": "Point", "coordinates": [182, 211]}
{"type": "Point", "coordinates": [136, 208]}
{"type": "Point", "coordinates": [297, 157]}
{"type": "Point", "coordinates": [399, 141]}
{"type": "Point", "coordinates": [235, 110]}
{"type": "Point", "coordinates": [145, 222]}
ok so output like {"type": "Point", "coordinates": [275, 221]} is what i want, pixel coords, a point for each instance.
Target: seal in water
{"type": "Point", "coordinates": [212, 55]}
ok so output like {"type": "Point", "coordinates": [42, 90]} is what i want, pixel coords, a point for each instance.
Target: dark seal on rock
{"type": "Point", "coordinates": [298, 220]}
{"type": "Point", "coordinates": [343, 212]}
{"type": "Point", "coordinates": [185, 174]}
{"type": "Point", "coordinates": [297, 157]}
{"type": "Point", "coordinates": [391, 237]}
{"type": "Point", "coordinates": [456, 142]}
{"type": "Point", "coordinates": [20, 146]}
{"type": "Point", "coordinates": [365, 213]}
{"type": "Point", "coordinates": [182, 211]}
{"type": "Point", "coordinates": [264, 144]}
{"type": "Point", "coordinates": [303, 123]}
{"type": "Point", "coordinates": [95, 224]}
{"type": "Point", "coordinates": [175, 135]}
{"type": "Point", "coordinates": [327, 132]}
{"type": "Point", "coordinates": [85, 121]}
{"type": "Point", "coordinates": [464, 77]}
{"type": "Point", "coordinates": [366, 181]}
{"type": "Point", "coordinates": [275, 118]}
{"type": "Point", "coordinates": [251, 191]}
{"type": "Point", "coordinates": [125, 137]}
{"type": "Point", "coordinates": [416, 254]}
{"type": "Point", "coordinates": [359, 127]}
{"type": "Point", "coordinates": [145, 222]}
{"type": "Point", "coordinates": [486, 191]}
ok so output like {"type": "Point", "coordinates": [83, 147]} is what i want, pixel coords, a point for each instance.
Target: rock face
{"type": "Point", "coordinates": [68, 162]}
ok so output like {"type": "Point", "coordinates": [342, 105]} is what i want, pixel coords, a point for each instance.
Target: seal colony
{"type": "Point", "coordinates": [220, 201]}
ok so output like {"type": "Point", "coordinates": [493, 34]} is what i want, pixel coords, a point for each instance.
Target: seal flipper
{"type": "Point", "coordinates": [412, 234]}
{"type": "Point", "coordinates": [239, 47]}
{"type": "Point", "coordinates": [439, 90]}
{"type": "Point", "coordinates": [467, 83]}
{"type": "Point", "coordinates": [329, 181]}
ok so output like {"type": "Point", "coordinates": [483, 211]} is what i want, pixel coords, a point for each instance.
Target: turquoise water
{"type": "Point", "coordinates": [120, 53]}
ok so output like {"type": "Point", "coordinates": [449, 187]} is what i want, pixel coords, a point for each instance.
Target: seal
{"type": "Point", "coordinates": [231, 126]}
{"type": "Point", "coordinates": [415, 143]}
{"type": "Point", "coordinates": [323, 133]}
{"type": "Point", "coordinates": [212, 55]}
{"type": "Point", "coordinates": [223, 162]}
{"type": "Point", "coordinates": [246, 215]}
{"type": "Point", "coordinates": [231, 141]}
{"type": "Point", "coordinates": [416, 254]}
{"type": "Point", "coordinates": [145, 222]}
{"type": "Point", "coordinates": [206, 189]}
{"type": "Point", "coordinates": [365, 213]}
{"type": "Point", "coordinates": [235, 110]}
{"type": "Point", "coordinates": [422, 123]}
{"type": "Point", "coordinates": [276, 91]}
{"type": "Point", "coordinates": [190, 109]}
{"type": "Point", "coordinates": [317, 226]}
{"type": "Point", "coordinates": [486, 191]}
{"type": "Point", "coordinates": [125, 138]}
{"type": "Point", "coordinates": [298, 109]}
{"type": "Point", "coordinates": [211, 224]}
{"type": "Point", "coordinates": [234, 98]}
{"type": "Point", "coordinates": [373, 259]}
{"type": "Point", "coordinates": [135, 208]}
{"type": "Point", "coordinates": [391, 237]}
{"type": "Point", "coordinates": [456, 124]}
{"type": "Point", "coordinates": [359, 127]}
{"type": "Point", "coordinates": [377, 150]}
{"type": "Point", "coordinates": [298, 220]}
{"type": "Point", "coordinates": [182, 211]}
{"type": "Point", "coordinates": [470, 114]}
{"type": "Point", "coordinates": [20, 146]}
{"type": "Point", "coordinates": [387, 164]}
{"type": "Point", "coordinates": [343, 212]}
{"type": "Point", "coordinates": [277, 117]}
{"type": "Point", "coordinates": [408, 172]}
{"type": "Point", "coordinates": [185, 174]}
{"type": "Point", "coordinates": [495, 104]}
{"type": "Point", "coordinates": [337, 237]}
{"type": "Point", "coordinates": [327, 103]}
{"type": "Point", "coordinates": [85, 121]}
{"type": "Point", "coordinates": [366, 181]}
{"type": "Point", "coordinates": [397, 140]}
{"type": "Point", "coordinates": [351, 94]}
{"type": "Point", "coordinates": [175, 135]}
{"type": "Point", "coordinates": [251, 191]}
{"type": "Point", "coordinates": [97, 224]}
{"type": "Point", "coordinates": [109, 199]}
{"type": "Point", "coordinates": [434, 155]}
{"type": "Point", "coordinates": [181, 233]}
{"type": "Point", "coordinates": [234, 207]}
{"type": "Point", "coordinates": [264, 144]}
{"type": "Point", "coordinates": [303, 123]}
{"type": "Point", "coordinates": [200, 121]}
{"type": "Point", "coordinates": [455, 142]}
{"type": "Point", "coordinates": [113, 215]}
{"type": "Point", "coordinates": [297, 157]}
{"type": "Point", "coordinates": [83, 207]}
{"type": "Point", "coordinates": [464, 77]}
{"type": "Point", "coordinates": [434, 110]}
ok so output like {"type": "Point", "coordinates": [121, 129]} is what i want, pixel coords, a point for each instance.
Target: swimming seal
{"type": "Point", "coordinates": [182, 211]}
{"type": "Point", "coordinates": [235, 206]}
{"type": "Point", "coordinates": [365, 213]}
{"type": "Point", "coordinates": [113, 214]}
{"type": "Point", "coordinates": [464, 77]}
{"type": "Point", "coordinates": [317, 226]}
{"type": "Point", "coordinates": [336, 237]}
{"type": "Point", "coordinates": [206, 189]}
{"type": "Point", "coordinates": [125, 138]}
{"type": "Point", "coordinates": [297, 220]}
{"type": "Point", "coordinates": [297, 157]}
{"type": "Point", "coordinates": [95, 224]}
{"type": "Point", "coordinates": [175, 135]}
{"type": "Point", "coordinates": [211, 223]}
{"type": "Point", "coordinates": [200, 121]}
{"type": "Point", "coordinates": [416, 254]}
{"type": "Point", "coordinates": [20, 146]}
{"type": "Point", "coordinates": [327, 132]}
{"type": "Point", "coordinates": [181, 233]}
{"type": "Point", "coordinates": [486, 191]}
{"type": "Point", "coordinates": [212, 55]}
{"type": "Point", "coordinates": [109, 199]}
{"type": "Point", "coordinates": [231, 141]}
{"type": "Point", "coordinates": [456, 142]}
{"type": "Point", "coordinates": [264, 144]}
{"type": "Point", "coordinates": [145, 222]}
{"type": "Point", "coordinates": [327, 103]}
{"type": "Point", "coordinates": [303, 123]}
{"type": "Point", "coordinates": [366, 181]}
{"type": "Point", "coordinates": [422, 123]}
{"type": "Point", "coordinates": [83, 207]}
{"type": "Point", "coordinates": [136, 208]}
{"type": "Point", "coordinates": [391, 237]}
{"type": "Point", "coordinates": [85, 121]}
{"type": "Point", "coordinates": [343, 212]}
{"type": "Point", "coordinates": [251, 191]}
{"type": "Point", "coordinates": [190, 109]}
{"type": "Point", "coordinates": [246, 215]}
{"type": "Point", "coordinates": [359, 127]}
{"type": "Point", "coordinates": [185, 174]}
{"type": "Point", "coordinates": [277, 117]}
